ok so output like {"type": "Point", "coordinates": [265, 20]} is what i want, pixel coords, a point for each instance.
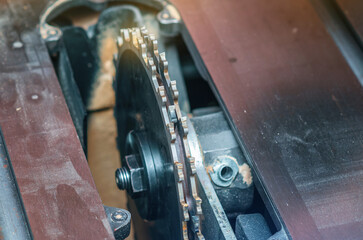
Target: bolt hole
{"type": "Point", "coordinates": [226, 173]}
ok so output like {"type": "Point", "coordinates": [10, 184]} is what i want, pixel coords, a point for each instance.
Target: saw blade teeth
{"type": "Point", "coordinates": [174, 90]}
{"type": "Point", "coordinates": [151, 38]}
{"type": "Point", "coordinates": [172, 132]}
{"type": "Point", "coordinates": [154, 47]}
{"type": "Point", "coordinates": [185, 231]}
{"type": "Point", "coordinates": [184, 125]}
{"type": "Point", "coordinates": [174, 154]}
{"type": "Point", "coordinates": [145, 36]}
{"type": "Point", "coordinates": [155, 83]}
{"type": "Point", "coordinates": [172, 114]}
{"type": "Point", "coordinates": [183, 205]}
{"type": "Point", "coordinates": [178, 111]}
{"type": "Point", "coordinates": [186, 147]}
{"type": "Point", "coordinates": [134, 39]}
{"type": "Point", "coordinates": [162, 57]}
{"type": "Point", "coordinates": [164, 71]}
{"type": "Point", "coordinates": [179, 171]}
{"type": "Point", "coordinates": [198, 201]}
{"type": "Point", "coordinates": [162, 94]}
{"type": "Point", "coordinates": [161, 91]}
{"type": "Point", "coordinates": [119, 41]}
{"type": "Point", "coordinates": [192, 165]}
{"type": "Point", "coordinates": [150, 63]}
{"type": "Point", "coordinates": [143, 50]}
{"type": "Point", "coordinates": [196, 198]}
{"type": "Point", "coordinates": [126, 35]}
{"type": "Point", "coordinates": [185, 211]}
{"type": "Point", "coordinates": [153, 69]}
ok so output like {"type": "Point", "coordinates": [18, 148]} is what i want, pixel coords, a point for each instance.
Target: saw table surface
{"type": "Point", "coordinates": [59, 195]}
{"type": "Point", "coordinates": [296, 106]}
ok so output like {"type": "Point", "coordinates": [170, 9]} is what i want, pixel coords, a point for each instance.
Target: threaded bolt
{"type": "Point", "coordinates": [123, 179]}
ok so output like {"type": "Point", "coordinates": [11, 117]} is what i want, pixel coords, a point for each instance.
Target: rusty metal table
{"type": "Point", "coordinates": [353, 9]}
{"type": "Point", "coordinates": [59, 195]}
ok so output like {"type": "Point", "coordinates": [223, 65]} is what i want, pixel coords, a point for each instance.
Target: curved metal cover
{"type": "Point", "coordinates": [294, 103]}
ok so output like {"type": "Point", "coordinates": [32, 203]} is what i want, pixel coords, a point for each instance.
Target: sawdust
{"type": "Point", "coordinates": [245, 171]}
{"type": "Point", "coordinates": [103, 95]}
{"type": "Point", "coordinates": [103, 157]}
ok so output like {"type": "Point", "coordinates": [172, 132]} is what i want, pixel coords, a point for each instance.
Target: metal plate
{"type": "Point", "coordinates": [57, 188]}
{"type": "Point", "coordinates": [353, 9]}
{"type": "Point", "coordinates": [294, 103]}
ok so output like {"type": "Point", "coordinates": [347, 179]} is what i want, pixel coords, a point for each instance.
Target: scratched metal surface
{"type": "Point", "coordinates": [353, 10]}
{"type": "Point", "coordinates": [58, 191]}
{"type": "Point", "coordinates": [295, 104]}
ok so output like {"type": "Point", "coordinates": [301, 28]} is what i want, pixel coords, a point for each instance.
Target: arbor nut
{"type": "Point", "coordinates": [224, 171]}
{"type": "Point", "coordinates": [131, 177]}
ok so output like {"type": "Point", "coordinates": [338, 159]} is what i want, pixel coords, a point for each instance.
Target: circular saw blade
{"type": "Point", "coordinates": [147, 101]}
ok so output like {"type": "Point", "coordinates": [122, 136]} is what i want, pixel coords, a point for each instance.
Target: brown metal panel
{"type": "Point", "coordinates": [353, 10]}
{"type": "Point", "coordinates": [295, 103]}
{"type": "Point", "coordinates": [56, 184]}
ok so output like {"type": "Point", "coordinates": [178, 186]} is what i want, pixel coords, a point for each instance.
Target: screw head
{"type": "Point", "coordinates": [118, 216]}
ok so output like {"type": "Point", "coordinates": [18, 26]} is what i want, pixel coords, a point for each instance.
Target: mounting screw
{"type": "Point", "coordinates": [118, 216]}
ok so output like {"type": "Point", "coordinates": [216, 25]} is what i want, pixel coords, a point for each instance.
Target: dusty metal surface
{"type": "Point", "coordinates": [353, 10]}
{"type": "Point", "coordinates": [58, 191]}
{"type": "Point", "coordinates": [295, 104]}
{"type": "Point", "coordinates": [343, 34]}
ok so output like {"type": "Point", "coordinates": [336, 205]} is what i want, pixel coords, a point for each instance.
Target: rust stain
{"type": "Point", "coordinates": [245, 171]}
{"type": "Point", "coordinates": [209, 169]}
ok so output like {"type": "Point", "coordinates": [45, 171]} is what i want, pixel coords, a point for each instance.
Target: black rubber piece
{"type": "Point", "coordinates": [252, 227]}
{"type": "Point", "coordinates": [120, 221]}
